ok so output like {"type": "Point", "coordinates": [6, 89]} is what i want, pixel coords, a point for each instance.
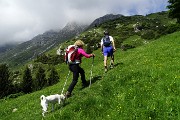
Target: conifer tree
{"type": "Point", "coordinates": [27, 81]}
{"type": "Point", "coordinates": [174, 8]}
{"type": "Point", "coordinates": [40, 78]}
{"type": "Point", "coordinates": [5, 83]}
{"type": "Point", "coordinates": [53, 77]}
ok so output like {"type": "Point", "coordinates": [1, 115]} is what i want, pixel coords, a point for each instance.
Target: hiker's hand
{"type": "Point", "coordinates": [92, 55]}
{"type": "Point", "coordinates": [114, 49]}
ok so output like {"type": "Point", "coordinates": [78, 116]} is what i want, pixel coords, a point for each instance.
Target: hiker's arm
{"type": "Point", "coordinates": [114, 48]}
{"type": "Point", "coordinates": [81, 51]}
{"type": "Point", "coordinates": [101, 48]}
{"type": "Point", "coordinates": [101, 45]}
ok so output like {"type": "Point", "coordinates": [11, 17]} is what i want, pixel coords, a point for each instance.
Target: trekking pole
{"type": "Point", "coordinates": [91, 71]}
{"type": "Point", "coordinates": [65, 82]}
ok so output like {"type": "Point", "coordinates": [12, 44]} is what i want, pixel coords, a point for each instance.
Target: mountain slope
{"type": "Point", "coordinates": [103, 19]}
{"type": "Point", "coordinates": [41, 43]}
{"type": "Point", "coordinates": [6, 47]}
{"type": "Point", "coordinates": [120, 27]}
{"type": "Point", "coordinates": [29, 50]}
{"type": "Point", "coordinates": [144, 84]}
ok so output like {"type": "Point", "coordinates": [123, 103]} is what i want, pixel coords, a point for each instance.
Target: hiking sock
{"type": "Point", "coordinates": [111, 66]}
{"type": "Point", "coordinates": [105, 68]}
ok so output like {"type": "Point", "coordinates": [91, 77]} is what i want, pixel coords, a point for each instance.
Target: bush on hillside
{"type": "Point", "coordinates": [124, 47]}
{"type": "Point", "coordinates": [14, 95]}
{"type": "Point", "coordinates": [50, 59]}
{"type": "Point", "coordinates": [149, 34]}
{"type": "Point", "coordinates": [172, 28]}
{"type": "Point", "coordinates": [53, 77]}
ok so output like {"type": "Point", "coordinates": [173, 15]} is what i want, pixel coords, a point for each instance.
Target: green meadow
{"type": "Point", "coordinates": [143, 85]}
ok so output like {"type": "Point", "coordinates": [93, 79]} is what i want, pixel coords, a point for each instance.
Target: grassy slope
{"type": "Point", "coordinates": [143, 85]}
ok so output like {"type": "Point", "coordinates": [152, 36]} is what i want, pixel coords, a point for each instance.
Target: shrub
{"type": "Point", "coordinates": [127, 46]}
{"type": "Point", "coordinates": [50, 59]}
{"type": "Point", "coordinates": [15, 95]}
{"type": "Point", "coordinates": [172, 28]}
{"type": "Point", "coordinates": [149, 34]}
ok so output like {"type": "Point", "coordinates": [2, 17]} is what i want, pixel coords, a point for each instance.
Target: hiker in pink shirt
{"type": "Point", "coordinates": [76, 69]}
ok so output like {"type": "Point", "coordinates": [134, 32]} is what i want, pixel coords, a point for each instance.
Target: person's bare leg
{"type": "Point", "coordinates": [112, 61]}
{"type": "Point", "coordinates": [105, 63]}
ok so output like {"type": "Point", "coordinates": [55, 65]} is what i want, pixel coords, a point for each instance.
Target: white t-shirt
{"type": "Point", "coordinates": [111, 39]}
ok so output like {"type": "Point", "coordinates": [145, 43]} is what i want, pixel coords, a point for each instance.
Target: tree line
{"type": "Point", "coordinates": [12, 88]}
{"type": "Point", "coordinates": [174, 8]}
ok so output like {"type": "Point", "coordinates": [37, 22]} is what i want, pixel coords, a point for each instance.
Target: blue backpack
{"type": "Point", "coordinates": [106, 41]}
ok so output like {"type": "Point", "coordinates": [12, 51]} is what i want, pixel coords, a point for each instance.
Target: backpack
{"type": "Point", "coordinates": [70, 54]}
{"type": "Point", "coordinates": [106, 41]}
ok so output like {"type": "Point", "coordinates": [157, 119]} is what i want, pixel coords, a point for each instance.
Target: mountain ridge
{"type": "Point", "coordinates": [104, 18]}
{"type": "Point", "coordinates": [47, 40]}
{"type": "Point", "coordinates": [40, 44]}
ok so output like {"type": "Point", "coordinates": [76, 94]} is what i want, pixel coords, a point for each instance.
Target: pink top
{"type": "Point", "coordinates": [82, 53]}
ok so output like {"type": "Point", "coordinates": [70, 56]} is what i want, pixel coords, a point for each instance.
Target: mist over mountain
{"type": "Point", "coordinates": [6, 47]}
{"type": "Point", "coordinates": [39, 44]}
{"type": "Point", "coordinates": [20, 53]}
{"type": "Point", "coordinates": [50, 39]}
{"type": "Point", "coordinates": [104, 18]}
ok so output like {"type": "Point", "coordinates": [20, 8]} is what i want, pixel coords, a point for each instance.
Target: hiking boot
{"type": "Point", "coordinates": [111, 66]}
{"type": "Point", "coordinates": [67, 94]}
{"type": "Point", "coordinates": [84, 85]}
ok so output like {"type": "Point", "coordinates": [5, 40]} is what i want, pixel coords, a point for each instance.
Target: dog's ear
{"type": "Point", "coordinates": [42, 97]}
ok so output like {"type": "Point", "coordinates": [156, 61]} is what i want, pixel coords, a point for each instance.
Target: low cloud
{"type": "Point", "coordinates": [21, 20]}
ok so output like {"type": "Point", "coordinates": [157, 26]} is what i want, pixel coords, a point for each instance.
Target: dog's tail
{"type": "Point", "coordinates": [42, 97]}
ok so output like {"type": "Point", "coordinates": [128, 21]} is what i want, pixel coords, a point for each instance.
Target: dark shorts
{"type": "Point", "coordinates": [108, 51]}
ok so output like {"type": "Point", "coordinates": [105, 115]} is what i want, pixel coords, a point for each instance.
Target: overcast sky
{"type": "Point", "coordinates": [21, 20]}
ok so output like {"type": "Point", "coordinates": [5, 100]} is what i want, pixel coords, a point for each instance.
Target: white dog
{"type": "Point", "coordinates": [51, 99]}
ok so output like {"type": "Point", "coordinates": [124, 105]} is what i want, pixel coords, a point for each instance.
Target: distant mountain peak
{"type": "Point", "coordinates": [104, 18]}
{"type": "Point", "coordinates": [73, 25]}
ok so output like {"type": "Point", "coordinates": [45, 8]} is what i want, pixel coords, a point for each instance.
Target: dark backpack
{"type": "Point", "coordinates": [70, 54]}
{"type": "Point", "coordinates": [106, 41]}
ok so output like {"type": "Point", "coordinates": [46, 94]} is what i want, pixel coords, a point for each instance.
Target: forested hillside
{"type": "Point", "coordinates": [144, 84]}
{"type": "Point", "coordinates": [128, 31]}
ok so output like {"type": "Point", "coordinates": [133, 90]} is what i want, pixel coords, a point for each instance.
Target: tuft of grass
{"type": "Point", "coordinates": [143, 85]}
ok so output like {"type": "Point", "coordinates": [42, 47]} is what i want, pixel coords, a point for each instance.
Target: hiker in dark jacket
{"type": "Point", "coordinates": [76, 69]}
{"type": "Point", "coordinates": [108, 48]}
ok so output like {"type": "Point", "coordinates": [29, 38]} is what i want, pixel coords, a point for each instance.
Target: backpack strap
{"type": "Point", "coordinates": [106, 41]}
